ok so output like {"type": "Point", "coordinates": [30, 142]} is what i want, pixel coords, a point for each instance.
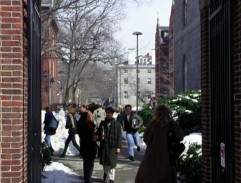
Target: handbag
{"type": "Point", "coordinates": [175, 147]}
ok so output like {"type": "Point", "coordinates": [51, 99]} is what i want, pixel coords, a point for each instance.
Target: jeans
{"type": "Point", "coordinates": [71, 137]}
{"type": "Point", "coordinates": [88, 167]}
{"type": "Point", "coordinates": [133, 138]}
{"type": "Point", "coordinates": [47, 139]}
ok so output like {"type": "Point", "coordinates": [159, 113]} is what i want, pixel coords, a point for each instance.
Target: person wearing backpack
{"type": "Point", "coordinates": [71, 125]}
{"type": "Point", "coordinates": [50, 117]}
{"type": "Point", "coordinates": [157, 165]}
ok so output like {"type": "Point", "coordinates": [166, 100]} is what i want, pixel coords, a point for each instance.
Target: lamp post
{"type": "Point", "coordinates": [137, 63]}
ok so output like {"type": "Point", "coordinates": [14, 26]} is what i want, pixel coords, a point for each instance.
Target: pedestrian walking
{"type": "Point", "coordinates": [51, 114]}
{"type": "Point", "coordinates": [98, 115]}
{"type": "Point", "coordinates": [120, 116]}
{"type": "Point", "coordinates": [71, 125]}
{"type": "Point", "coordinates": [156, 165]}
{"type": "Point", "coordinates": [82, 120]}
{"type": "Point", "coordinates": [132, 122]}
{"type": "Point", "coordinates": [109, 135]}
{"type": "Point", "coordinates": [88, 145]}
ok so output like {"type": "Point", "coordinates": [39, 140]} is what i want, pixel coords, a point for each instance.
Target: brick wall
{"type": "Point", "coordinates": [206, 169]}
{"type": "Point", "coordinates": [237, 88]}
{"type": "Point", "coordinates": [13, 92]}
{"type": "Point", "coordinates": [205, 91]}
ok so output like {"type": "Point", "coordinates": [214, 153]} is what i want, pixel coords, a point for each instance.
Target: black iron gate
{"type": "Point", "coordinates": [34, 92]}
{"type": "Point", "coordinates": [221, 69]}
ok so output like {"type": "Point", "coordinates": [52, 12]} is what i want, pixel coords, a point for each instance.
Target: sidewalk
{"type": "Point", "coordinates": [125, 170]}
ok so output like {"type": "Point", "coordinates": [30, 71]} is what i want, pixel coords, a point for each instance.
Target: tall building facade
{"type": "Point", "coordinates": [127, 80]}
{"type": "Point", "coordinates": [163, 80]}
{"type": "Point", "coordinates": [185, 26]}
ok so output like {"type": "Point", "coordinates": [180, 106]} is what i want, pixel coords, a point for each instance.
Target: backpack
{"type": "Point", "coordinates": [175, 147]}
{"type": "Point", "coordinates": [53, 125]}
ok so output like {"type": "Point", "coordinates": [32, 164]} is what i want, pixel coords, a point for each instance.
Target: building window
{"type": "Point", "coordinates": [125, 80]}
{"type": "Point", "coordinates": [148, 80]}
{"type": "Point", "coordinates": [184, 73]}
{"type": "Point", "coordinates": [125, 71]}
{"type": "Point", "coordinates": [164, 65]}
{"type": "Point", "coordinates": [165, 81]}
{"type": "Point", "coordinates": [126, 94]}
{"type": "Point", "coordinates": [184, 12]}
{"type": "Point", "coordinates": [148, 94]}
{"type": "Point", "coordinates": [148, 70]}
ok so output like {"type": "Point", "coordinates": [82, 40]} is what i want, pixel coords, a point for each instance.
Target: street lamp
{"type": "Point", "coordinates": [137, 63]}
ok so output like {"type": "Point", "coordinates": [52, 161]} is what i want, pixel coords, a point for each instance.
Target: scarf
{"type": "Point", "coordinates": [110, 124]}
{"type": "Point", "coordinates": [72, 120]}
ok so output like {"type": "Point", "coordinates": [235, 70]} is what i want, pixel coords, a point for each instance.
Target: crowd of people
{"type": "Point", "coordinates": [100, 137]}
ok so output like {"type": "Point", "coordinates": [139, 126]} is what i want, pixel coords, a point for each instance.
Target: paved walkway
{"type": "Point", "coordinates": [125, 170]}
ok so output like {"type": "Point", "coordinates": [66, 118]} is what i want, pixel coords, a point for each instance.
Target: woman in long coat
{"type": "Point", "coordinates": [156, 165]}
{"type": "Point", "coordinates": [88, 145]}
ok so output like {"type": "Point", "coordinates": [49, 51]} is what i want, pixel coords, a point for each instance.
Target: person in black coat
{"type": "Point", "coordinates": [88, 146]}
{"type": "Point", "coordinates": [71, 125]}
{"type": "Point", "coordinates": [47, 119]}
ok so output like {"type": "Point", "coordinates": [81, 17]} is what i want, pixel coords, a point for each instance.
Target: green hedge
{"type": "Point", "coordinates": [186, 109]}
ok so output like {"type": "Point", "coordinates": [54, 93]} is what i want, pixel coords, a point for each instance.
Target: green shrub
{"type": "Point", "coordinates": [186, 109]}
{"type": "Point", "coordinates": [146, 114]}
{"type": "Point", "coordinates": [190, 164]}
{"type": "Point", "coordinates": [46, 155]}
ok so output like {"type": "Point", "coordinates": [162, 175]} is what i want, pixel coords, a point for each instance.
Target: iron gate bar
{"type": "Point", "coordinates": [221, 84]}
{"type": "Point", "coordinates": [34, 92]}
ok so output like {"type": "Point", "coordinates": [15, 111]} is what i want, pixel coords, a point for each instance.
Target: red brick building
{"type": "Point", "coordinates": [221, 91]}
{"type": "Point", "coordinates": [50, 84]}
{"type": "Point", "coordinates": [20, 91]}
{"type": "Point", "coordinates": [162, 62]}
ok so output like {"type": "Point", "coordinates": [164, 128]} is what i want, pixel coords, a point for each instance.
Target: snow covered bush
{"type": "Point", "coordinates": [186, 109]}
{"type": "Point", "coordinates": [189, 164]}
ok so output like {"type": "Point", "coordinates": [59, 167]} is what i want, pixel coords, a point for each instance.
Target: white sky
{"type": "Point", "coordinates": [143, 18]}
{"type": "Point", "coordinates": [57, 172]}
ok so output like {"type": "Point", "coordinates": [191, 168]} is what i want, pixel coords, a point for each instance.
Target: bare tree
{"type": "Point", "coordinates": [86, 36]}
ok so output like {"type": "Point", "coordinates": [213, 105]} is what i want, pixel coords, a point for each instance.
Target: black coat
{"type": "Point", "coordinates": [47, 119]}
{"type": "Point", "coordinates": [86, 131]}
{"type": "Point", "coordinates": [72, 130]}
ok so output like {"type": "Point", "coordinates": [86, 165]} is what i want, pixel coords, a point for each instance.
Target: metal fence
{"type": "Point", "coordinates": [34, 91]}
{"type": "Point", "coordinates": [221, 82]}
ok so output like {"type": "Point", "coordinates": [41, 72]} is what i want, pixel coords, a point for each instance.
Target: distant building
{"type": "Point", "coordinates": [163, 79]}
{"type": "Point", "coordinates": [50, 86]}
{"type": "Point", "coordinates": [127, 79]}
{"type": "Point", "coordinates": [186, 53]}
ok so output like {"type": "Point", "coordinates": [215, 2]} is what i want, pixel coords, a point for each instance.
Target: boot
{"type": "Point", "coordinates": [105, 177]}
{"type": "Point", "coordinates": [51, 151]}
{"type": "Point", "coordinates": [111, 181]}
{"type": "Point", "coordinates": [131, 158]}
